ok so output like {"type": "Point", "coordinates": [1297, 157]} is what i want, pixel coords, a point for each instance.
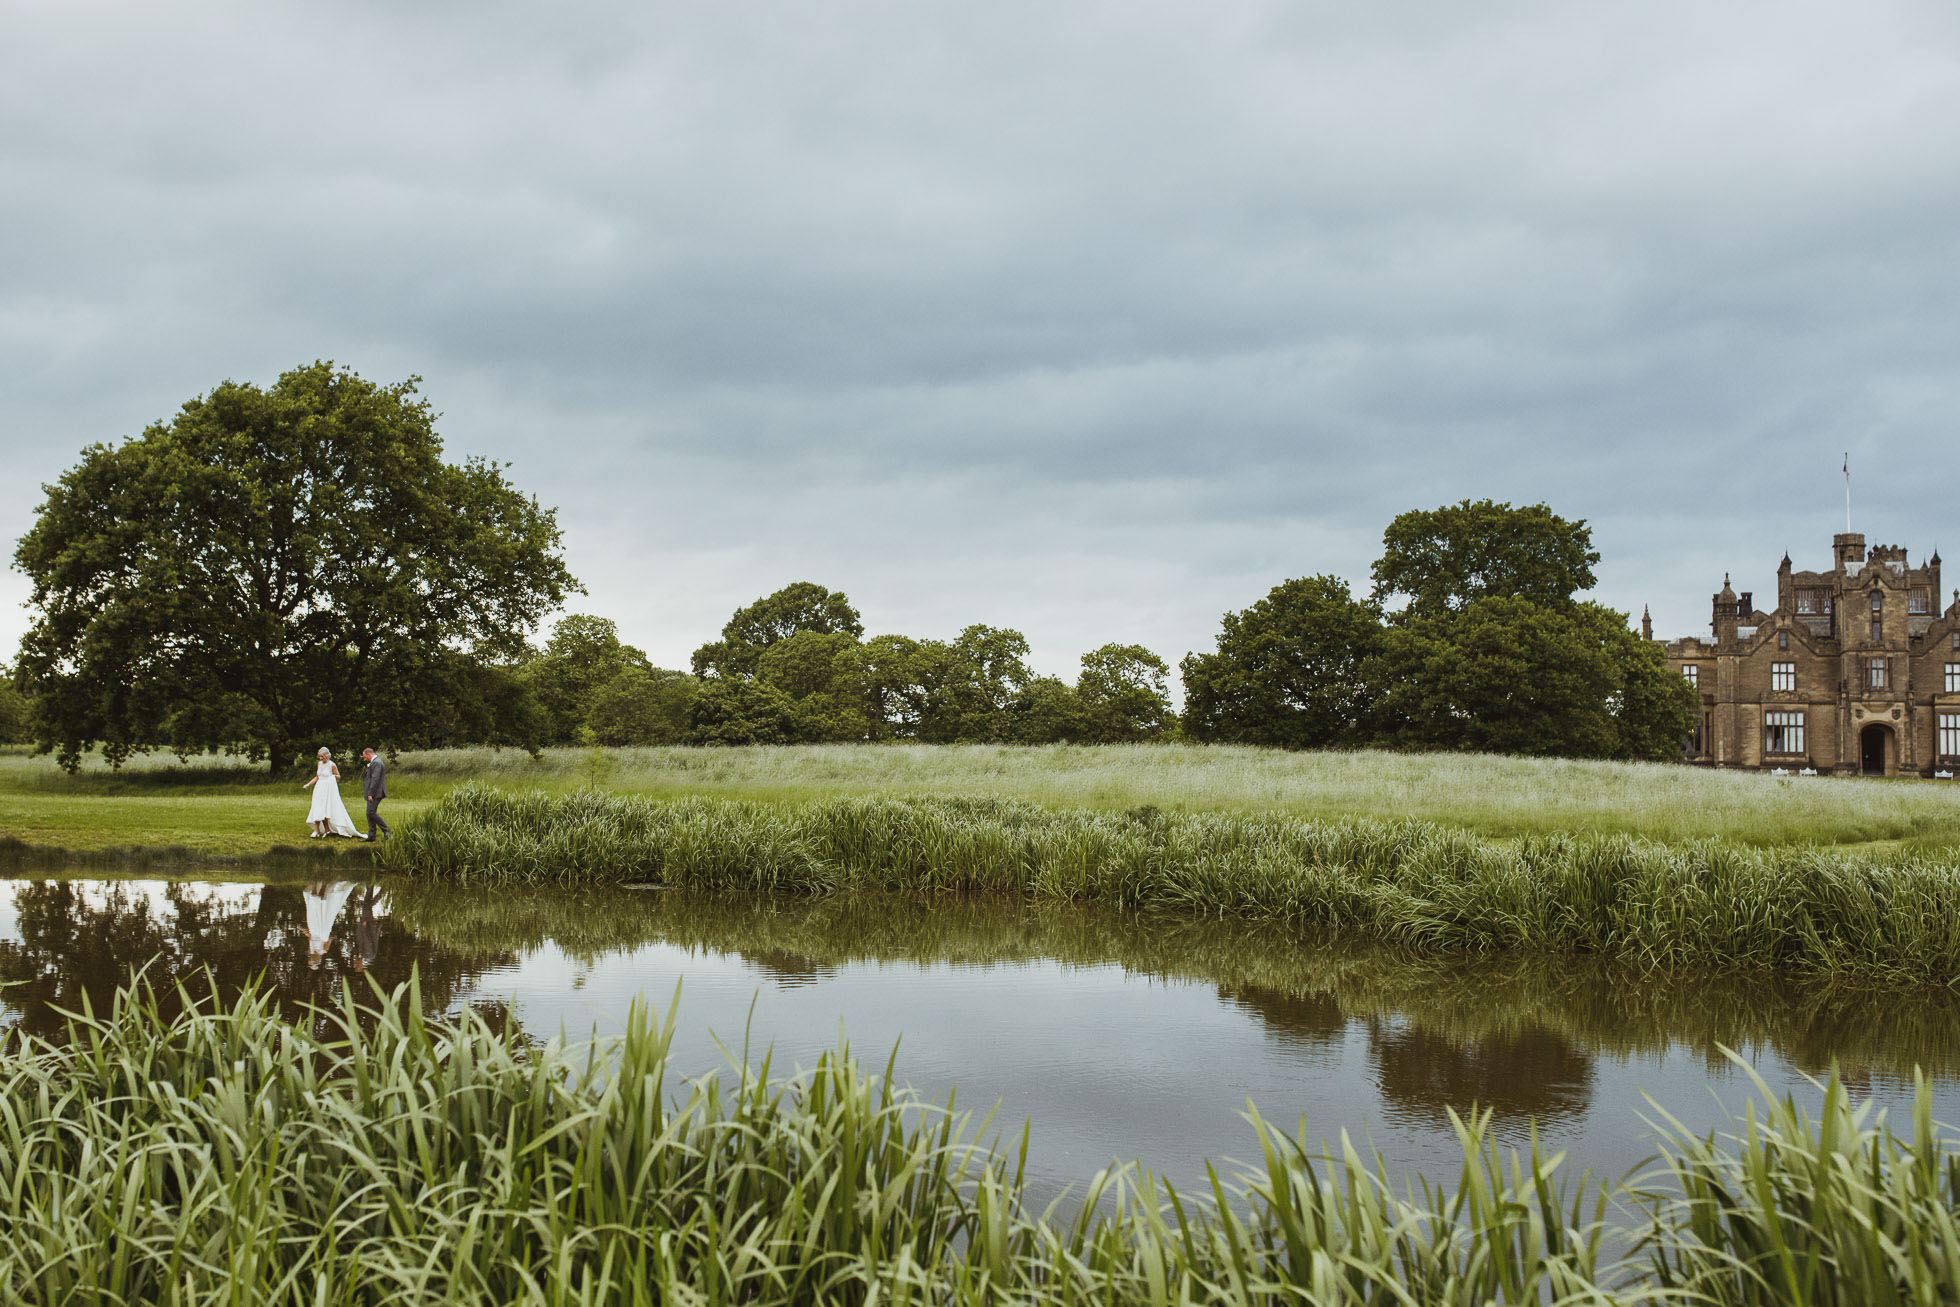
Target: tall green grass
{"type": "Point", "coordinates": [1491, 795]}
{"type": "Point", "coordinates": [225, 1157]}
{"type": "Point", "coordinates": [1410, 883]}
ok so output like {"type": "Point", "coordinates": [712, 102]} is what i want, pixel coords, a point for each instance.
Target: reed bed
{"type": "Point", "coordinates": [1894, 918]}
{"type": "Point", "coordinates": [379, 1156]}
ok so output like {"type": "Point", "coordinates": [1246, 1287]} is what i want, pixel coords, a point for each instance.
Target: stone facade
{"type": "Point", "coordinates": [1854, 670]}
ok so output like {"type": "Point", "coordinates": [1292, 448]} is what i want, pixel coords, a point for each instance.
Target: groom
{"type": "Point", "coordinates": [374, 785]}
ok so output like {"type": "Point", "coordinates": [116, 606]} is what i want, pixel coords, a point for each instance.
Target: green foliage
{"type": "Point", "coordinates": [584, 654]}
{"type": "Point", "coordinates": [1403, 883]}
{"type": "Point", "coordinates": [1654, 704]}
{"type": "Point", "coordinates": [807, 663]}
{"type": "Point", "coordinates": [224, 1155]}
{"type": "Point", "coordinates": [1491, 652]}
{"type": "Point", "coordinates": [1502, 676]}
{"type": "Point", "coordinates": [1506, 675]}
{"type": "Point", "coordinates": [805, 644]}
{"type": "Point", "coordinates": [1048, 711]}
{"type": "Point", "coordinates": [892, 677]}
{"type": "Point", "coordinates": [1444, 560]}
{"type": "Point", "coordinates": [241, 576]}
{"type": "Point", "coordinates": [1292, 670]}
{"type": "Point", "coordinates": [15, 726]}
{"type": "Point", "coordinates": [479, 702]}
{"type": "Point", "coordinates": [971, 685]}
{"type": "Point", "coordinates": [1124, 694]}
{"type": "Point", "coordinates": [641, 706]}
{"type": "Point", "coordinates": [724, 711]}
{"type": "Point", "coordinates": [799, 606]}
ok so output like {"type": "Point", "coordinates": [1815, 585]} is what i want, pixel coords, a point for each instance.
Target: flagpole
{"type": "Point", "coordinates": [1847, 492]}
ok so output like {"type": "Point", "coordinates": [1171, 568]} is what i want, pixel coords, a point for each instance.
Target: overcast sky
{"type": "Point", "coordinates": [1090, 319]}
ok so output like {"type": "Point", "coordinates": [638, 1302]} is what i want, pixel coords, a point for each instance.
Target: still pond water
{"type": "Point", "coordinates": [1118, 1038]}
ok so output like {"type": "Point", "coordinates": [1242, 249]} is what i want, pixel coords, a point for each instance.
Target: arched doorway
{"type": "Point", "coordinates": [1871, 750]}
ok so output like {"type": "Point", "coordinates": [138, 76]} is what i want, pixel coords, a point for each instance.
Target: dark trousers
{"type": "Point", "coordinates": [374, 820]}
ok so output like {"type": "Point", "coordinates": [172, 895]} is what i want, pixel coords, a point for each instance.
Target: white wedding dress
{"type": "Point", "coordinates": [327, 806]}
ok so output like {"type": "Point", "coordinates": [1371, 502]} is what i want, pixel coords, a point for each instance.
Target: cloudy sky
{"type": "Point", "coordinates": [1090, 319]}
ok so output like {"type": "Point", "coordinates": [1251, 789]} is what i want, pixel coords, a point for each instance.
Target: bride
{"type": "Point", "coordinates": [328, 816]}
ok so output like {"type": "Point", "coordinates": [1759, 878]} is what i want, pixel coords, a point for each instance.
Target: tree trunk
{"type": "Point", "coordinates": [281, 760]}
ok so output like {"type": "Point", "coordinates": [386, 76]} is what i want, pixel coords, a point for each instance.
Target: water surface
{"type": "Point", "coordinates": [1118, 1038]}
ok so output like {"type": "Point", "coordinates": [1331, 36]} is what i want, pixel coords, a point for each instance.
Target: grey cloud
{"type": "Point", "coordinates": [1086, 313]}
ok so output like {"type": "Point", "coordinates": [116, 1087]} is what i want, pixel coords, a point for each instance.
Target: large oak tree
{"type": "Point", "coordinates": [276, 568]}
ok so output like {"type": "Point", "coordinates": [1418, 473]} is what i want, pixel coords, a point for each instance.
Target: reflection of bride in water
{"type": "Point", "coordinates": [324, 899]}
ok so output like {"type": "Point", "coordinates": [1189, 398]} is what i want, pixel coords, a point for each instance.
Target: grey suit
{"type": "Point", "coordinates": [374, 785]}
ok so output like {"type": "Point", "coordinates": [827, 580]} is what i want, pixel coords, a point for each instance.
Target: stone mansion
{"type": "Point", "coordinates": [1854, 671]}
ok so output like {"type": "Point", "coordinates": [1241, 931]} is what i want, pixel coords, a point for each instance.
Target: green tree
{"type": "Point", "coordinates": [14, 725]}
{"type": "Point", "coordinates": [800, 606]}
{"type": "Point", "coordinates": [807, 663]}
{"type": "Point", "coordinates": [815, 669]}
{"type": "Point", "coordinates": [583, 654]}
{"type": "Point", "coordinates": [740, 712]}
{"type": "Point", "coordinates": [237, 577]}
{"type": "Point", "coordinates": [971, 684]}
{"type": "Point", "coordinates": [1654, 705]}
{"type": "Point", "coordinates": [1445, 559]}
{"type": "Point", "coordinates": [1506, 675]}
{"type": "Point", "coordinates": [1291, 670]}
{"type": "Point", "coordinates": [482, 702]}
{"type": "Point", "coordinates": [1049, 711]}
{"type": "Point", "coordinates": [892, 679]}
{"type": "Point", "coordinates": [639, 705]}
{"type": "Point", "coordinates": [1124, 694]}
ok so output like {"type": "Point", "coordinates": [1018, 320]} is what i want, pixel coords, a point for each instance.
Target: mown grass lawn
{"type": "Point", "coordinates": [229, 807]}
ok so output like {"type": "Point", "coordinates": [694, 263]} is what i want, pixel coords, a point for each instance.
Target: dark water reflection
{"type": "Point", "coordinates": [1118, 1037]}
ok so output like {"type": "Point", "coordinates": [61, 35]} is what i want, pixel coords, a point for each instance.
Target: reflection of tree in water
{"type": "Point", "coordinates": [80, 940]}
{"type": "Point", "coordinates": [1526, 1072]}
{"type": "Point", "coordinates": [789, 970]}
{"type": "Point", "coordinates": [1313, 1018]}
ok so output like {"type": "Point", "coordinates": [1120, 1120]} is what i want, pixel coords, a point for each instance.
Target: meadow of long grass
{"type": "Point", "coordinates": [1487, 793]}
{"type": "Point", "coordinates": [1894, 917]}
{"type": "Point", "coordinates": [380, 1156]}
{"type": "Point", "coordinates": [158, 799]}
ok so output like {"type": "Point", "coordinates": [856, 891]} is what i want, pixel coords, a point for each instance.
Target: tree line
{"type": "Point", "coordinates": [794, 668]}
{"type": "Point", "coordinates": [274, 567]}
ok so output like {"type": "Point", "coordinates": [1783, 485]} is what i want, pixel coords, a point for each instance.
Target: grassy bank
{"type": "Point", "coordinates": [1894, 918]}
{"type": "Point", "coordinates": [229, 1157]}
{"type": "Point", "coordinates": [235, 808]}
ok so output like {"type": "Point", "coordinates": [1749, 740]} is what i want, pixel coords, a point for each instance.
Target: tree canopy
{"type": "Point", "coordinates": [13, 712]}
{"type": "Point", "coordinates": [1510, 676]}
{"type": "Point", "coordinates": [1125, 695]}
{"type": "Point", "coordinates": [1491, 650]}
{"type": "Point", "coordinates": [580, 660]}
{"type": "Point", "coordinates": [1293, 670]}
{"type": "Point", "coordinates": [797, 607]}
{"type": "Point", "coordinates": [1442, 560]}
{"type": "Point", "coordinates": [272, 568]}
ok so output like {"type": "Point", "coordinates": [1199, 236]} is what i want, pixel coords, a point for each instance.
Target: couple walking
{"type": "Point", "coordinates": [328, 815]}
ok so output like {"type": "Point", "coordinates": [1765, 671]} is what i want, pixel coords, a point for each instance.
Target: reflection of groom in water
{"type": "Point", "coordinates": [374, 787]}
